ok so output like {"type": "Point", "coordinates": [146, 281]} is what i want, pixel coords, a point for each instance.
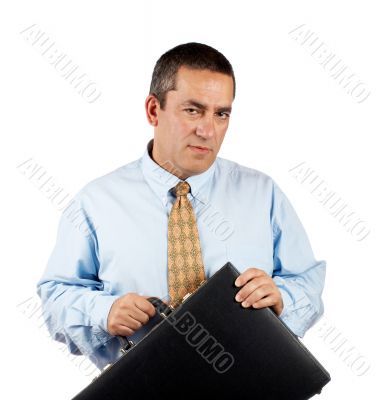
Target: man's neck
{"type": "Point", "coordinates": [167, 165]}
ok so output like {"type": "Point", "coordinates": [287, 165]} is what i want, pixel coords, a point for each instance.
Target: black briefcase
{"type": "Point", "coordinates": [211, 346]}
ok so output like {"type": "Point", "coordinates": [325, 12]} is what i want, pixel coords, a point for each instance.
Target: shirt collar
{"type": "Point", "coordinates": [161, 181]}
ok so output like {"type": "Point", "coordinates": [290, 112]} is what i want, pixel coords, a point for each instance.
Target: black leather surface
{"type": "Point", "coordinates": [243, 353]}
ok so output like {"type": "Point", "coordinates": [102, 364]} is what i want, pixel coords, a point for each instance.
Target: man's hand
{"type": "Point", "coordinates": [128, 314]}
{"type": "Point", "coordinates": [258, 290]}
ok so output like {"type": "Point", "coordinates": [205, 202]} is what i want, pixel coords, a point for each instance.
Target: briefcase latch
{"type": "Point", "coordinates": [189, 293]}
{"type": "Point", "coordinates": [126, 344]}
{"type": "Point", "coordinates": [185, 297]}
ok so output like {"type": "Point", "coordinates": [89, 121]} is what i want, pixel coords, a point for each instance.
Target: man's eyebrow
{"type": "Point", "coordinates": [201, 106]}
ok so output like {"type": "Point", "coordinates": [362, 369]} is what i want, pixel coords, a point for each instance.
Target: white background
{"type": "Point", "coordinates": [288, 110]}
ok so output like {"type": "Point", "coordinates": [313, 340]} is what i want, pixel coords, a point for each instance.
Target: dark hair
{"type": "Point", "coordinates": [192, 55]}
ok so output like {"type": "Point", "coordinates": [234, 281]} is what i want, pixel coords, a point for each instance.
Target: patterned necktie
{"type": "Point", "coordinates": [185, 264]}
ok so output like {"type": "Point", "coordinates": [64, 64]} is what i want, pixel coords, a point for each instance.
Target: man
{"type": "Point", "coordinates": [130, 244]}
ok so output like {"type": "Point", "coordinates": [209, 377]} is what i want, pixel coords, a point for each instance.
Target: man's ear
{"type": "Point", "coordinates": [152, 109]}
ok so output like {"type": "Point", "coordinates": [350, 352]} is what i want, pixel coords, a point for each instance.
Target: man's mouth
{"type": "Point", "coordinates": [200, 149]}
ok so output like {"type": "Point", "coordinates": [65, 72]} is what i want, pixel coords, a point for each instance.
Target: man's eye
{"type": "Point", "coordinates": [223, 115]}
{"type": "Point", "coordinates": [191, 111]}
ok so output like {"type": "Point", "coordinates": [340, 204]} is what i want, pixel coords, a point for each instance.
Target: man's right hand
{"type": "Point", "coordinates": [128, 314]}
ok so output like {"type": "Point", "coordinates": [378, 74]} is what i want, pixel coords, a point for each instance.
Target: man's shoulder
{"type": "Point", "coordinates": [236, 172]}
{"type": "Point", "coordinates": [129, 172]}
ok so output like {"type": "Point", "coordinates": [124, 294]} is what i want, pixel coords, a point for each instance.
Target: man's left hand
{"type": "Point", "coordinates": [258, 290]}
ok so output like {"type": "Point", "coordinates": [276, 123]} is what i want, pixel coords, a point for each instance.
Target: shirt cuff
{"type": "Point", "coordinates": [289, 316]}
{"type": "Point", "coordinates": [287, 302]}
{"type": "Point", "coordinates": [101, 309]}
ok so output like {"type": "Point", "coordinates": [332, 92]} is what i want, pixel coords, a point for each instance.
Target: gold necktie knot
{"type": "Point", "coordinates": [182, 188]}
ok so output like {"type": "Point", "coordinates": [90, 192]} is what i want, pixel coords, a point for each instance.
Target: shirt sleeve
{"type": "Point", "coordinates": [298, 275]}
{"type": "Point", "coordinates": [74, 303]}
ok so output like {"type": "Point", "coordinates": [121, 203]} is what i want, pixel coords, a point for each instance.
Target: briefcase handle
{"type": "Point", "coordinates": [162, 309]}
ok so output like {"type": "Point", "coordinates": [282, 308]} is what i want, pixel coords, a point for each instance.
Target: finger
{"type": "Point", "coordinates": [130, 322]}
{"type": "Point", "coordinates": [253, 284]}
{"type": "Point", "coordinates": [146, 306]}
{"type": "Point", "coordinates": [247, 289]}
{"type": "Point", "coordinates": [123, 330]}
{"type": "Point", "coordinates": [268, 301]}
{"type": "Point", "coordinates": [138, 315]}
{"type": "Point", "coordinates": [248, 275]}
{"type": "Point", "coordinates": [257, 295]}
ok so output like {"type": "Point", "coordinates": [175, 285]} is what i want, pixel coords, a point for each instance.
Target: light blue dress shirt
{"type": "Point", "coordinates": [112, 240]}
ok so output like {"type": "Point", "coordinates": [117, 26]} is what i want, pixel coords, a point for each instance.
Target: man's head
{"type": "Point", "coordinates": [189, 105]}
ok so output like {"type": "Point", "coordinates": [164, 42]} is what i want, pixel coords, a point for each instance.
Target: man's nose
{"type": "Point", "coordinates": [206, 127]}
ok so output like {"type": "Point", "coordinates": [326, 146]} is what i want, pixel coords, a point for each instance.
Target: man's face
{"type": "Point", "coordinates": [195, 114]}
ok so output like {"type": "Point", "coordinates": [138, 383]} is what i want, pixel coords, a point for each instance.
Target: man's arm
{"type": "Point", "coordinates": [294, 291]}
{"type": "Point", "coordinates": [74, 302]}
{"type": "Point", "coordinates": [298, 275]}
